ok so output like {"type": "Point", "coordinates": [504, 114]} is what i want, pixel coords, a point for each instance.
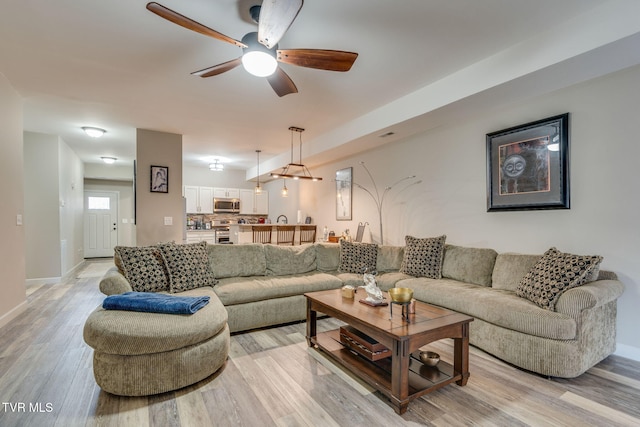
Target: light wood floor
{"type": "Point", "coordinates": [272, 379]}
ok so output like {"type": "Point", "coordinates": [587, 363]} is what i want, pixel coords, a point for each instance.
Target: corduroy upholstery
{"type": "Point", "coordinates": [138, 354]}
{"type": "Point", "coordinates": [265, 285]}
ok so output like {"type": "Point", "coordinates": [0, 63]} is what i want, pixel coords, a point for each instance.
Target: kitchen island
{"type": "Point", "coordinates": [243, 233]}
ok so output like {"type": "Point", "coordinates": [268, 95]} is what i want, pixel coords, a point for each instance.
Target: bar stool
{"type": "Point", "coordinates": [261, 234]}
{"type": "Point", "coordinates": [285, 234]}
{"type": "Point", "coordinates": [307, 234]}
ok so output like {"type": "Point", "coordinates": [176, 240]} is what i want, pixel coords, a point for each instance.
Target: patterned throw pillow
{"type": "Point", "coordinates": [143, 267]}
{"type": "Point", "coordinates": [423, 257]}
{"type": "Point", "coordinates": [357, 257]}
{"type": "Point", "coordinates": [555, 273]}
{"type": "Point", "coordinates": [188, 266]}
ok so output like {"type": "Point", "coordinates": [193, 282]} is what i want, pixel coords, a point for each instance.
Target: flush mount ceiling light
{"type": "Point", "coordinates": [296, 170]}
{"type": "Point", "coordinates": [93, 132]}
{"type": "Point", "coordinates": [216, 166]}
{"type": "Point", "coordinates": [258, 189]}
{"type": "Point", "coordinates": [109, 160]}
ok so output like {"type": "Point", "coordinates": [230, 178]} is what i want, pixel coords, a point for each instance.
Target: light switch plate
{"type": "Point", "coordinates": [19, 219]}
{"type": "Point", "coordinates": [168, 220]}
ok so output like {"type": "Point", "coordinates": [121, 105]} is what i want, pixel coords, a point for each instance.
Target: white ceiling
{"type": "Point", "coordinates": [115, 65]}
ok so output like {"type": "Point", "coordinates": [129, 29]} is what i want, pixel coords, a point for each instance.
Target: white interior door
{"type": "Point", "coordinates": [100, 223]}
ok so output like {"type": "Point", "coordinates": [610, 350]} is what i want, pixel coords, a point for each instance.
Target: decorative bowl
{"type": "Point", "coordinates": [400, 295]}
{"type": "Point", "coordinates": [429, 358]}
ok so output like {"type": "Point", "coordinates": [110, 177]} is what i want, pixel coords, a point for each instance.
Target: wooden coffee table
{"type": "Point", "coordinates": [402, 377]}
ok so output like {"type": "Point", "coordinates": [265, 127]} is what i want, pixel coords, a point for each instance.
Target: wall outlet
{"type": "Point", "coordinates": [125, 220]}
{"type": "Point", "coordinates": [168, 220]}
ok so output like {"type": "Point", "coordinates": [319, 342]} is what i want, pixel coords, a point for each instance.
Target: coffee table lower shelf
{"type": "Point", "coordinates": [422, 379]}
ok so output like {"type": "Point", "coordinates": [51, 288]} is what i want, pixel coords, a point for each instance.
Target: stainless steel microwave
{"type": "Point", "coordinates": [226, 205]}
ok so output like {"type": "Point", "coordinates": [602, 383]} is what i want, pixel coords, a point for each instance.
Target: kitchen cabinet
{"type": "Point", "coordinates": [254, 204]}
{"type": "Point", "coordinates": [226, 193]}
{"type": "Point", "coordinates": [201, 236]}
{"type": "Point", "coordinates": [199, 199]}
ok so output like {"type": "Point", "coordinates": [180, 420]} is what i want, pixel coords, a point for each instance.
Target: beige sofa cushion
{"type": "Point", "coordinates": [389, 258]}
{"type": "Point", "coordinates": [510, 268]}
{"type": "Point", "coordinates": [471, 265]}
{"type": "Point", "coordinates": [237, 260]}
{"type": "Point", "coordinates": [240, 290]}
{"type": "Point", "coordinates": [283, 260]}
{"type": "Point", "coordinates": [498, 307]}
{"type": "Point", "coordinates": [327, 256]}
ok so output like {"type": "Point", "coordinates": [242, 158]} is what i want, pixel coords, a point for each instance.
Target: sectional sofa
{"type": "Point", "coordinates": [263, 285]}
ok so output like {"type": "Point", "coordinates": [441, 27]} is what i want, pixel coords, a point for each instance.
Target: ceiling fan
{"type": "Point", "coordinates": [260, 49]}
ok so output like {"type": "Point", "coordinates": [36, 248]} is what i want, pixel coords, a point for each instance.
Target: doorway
{"type": "Point", "coordinates": [100, 223]}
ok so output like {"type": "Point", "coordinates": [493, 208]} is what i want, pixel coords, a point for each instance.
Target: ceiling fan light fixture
{"type": "Point", "coordinates": [260, 64]}
{"type": "Point", "coordinates": [93, 132]}
{"type": "Point", "coordinates": [257, 58]}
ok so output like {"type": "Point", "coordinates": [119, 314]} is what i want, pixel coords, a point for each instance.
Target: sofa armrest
{"type": "Point", "coordinates": [113, 283]}
{"type": "Point", "coordinates": [590, 295]}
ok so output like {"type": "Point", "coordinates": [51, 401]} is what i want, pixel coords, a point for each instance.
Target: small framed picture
{"type": "Point", "coordinates": [159, 179]}
{"type": "Point", "coordinates": [528, 166]}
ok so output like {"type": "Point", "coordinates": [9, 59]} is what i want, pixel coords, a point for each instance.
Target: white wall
{"type": "Point", "coordinates": [71, 184]}
{"type": "Point", "coordinates": [42, 206]}
{"type": "Point", "coordinates": [53, 206]}
{"type": "Point", "coordinates": [12, 243]}
{"type": "Point", "coordinates": [451, 200]}
{"type": "Point", "coordinates": [202, 176]}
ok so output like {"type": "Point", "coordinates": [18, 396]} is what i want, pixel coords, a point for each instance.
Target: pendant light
{"type": "Point", "coordinates": [285, 190]}
{"type": "Point", "coordinates": [258, 189]}
{"type": "Point", "coordinates": [296, 170]}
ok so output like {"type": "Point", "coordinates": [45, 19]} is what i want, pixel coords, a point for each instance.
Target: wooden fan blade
{"type": "Point", "coordinates": [276, 16]}
{"type": "Point", "coordinates": [332, 60]}
{"type": "Point", "coordinates": [282, 83]}
{"type": "Point", "coordinates": [218, 69]}
{"type": "Point", "coordinates": [190, 24]}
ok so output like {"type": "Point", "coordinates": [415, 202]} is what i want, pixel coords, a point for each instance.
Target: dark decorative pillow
{"type": "Point", "coordinates": [188, 266]}
{"type": "Point", "coordinates": [143, 267]}
{"type": "Point", "coordinates": [555, 273]}
{"type": "Point", "coordinates": [423, 257]}
{"type": "Point", "coordinates": [357, 257]}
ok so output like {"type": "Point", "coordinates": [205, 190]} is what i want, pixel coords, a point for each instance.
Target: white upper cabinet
{"type": "Point", "coordinates": [199, 199]}
{"type": "Point", "coordinates": [254, 204]}
{"type": "Point", "coordinates": [226, 193]}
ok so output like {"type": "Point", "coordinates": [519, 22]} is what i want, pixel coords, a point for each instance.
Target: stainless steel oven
{"type": "Point", "coordinates": [222, 235]}
{"type": "Point", "coordinates": [226, 205]}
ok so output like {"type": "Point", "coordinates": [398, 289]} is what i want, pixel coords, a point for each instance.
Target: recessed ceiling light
{"type": "Point", "coordinates": [109, 160]}
{"type": "Point", "coordinates": [93, 132]}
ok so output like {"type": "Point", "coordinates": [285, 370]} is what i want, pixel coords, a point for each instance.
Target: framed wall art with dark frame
{"type": "Point", "coordinates": [344, 185]}
{"type": "Point", "coordinates": [528, 166]}
{"type": "Point", "coordinates": [159, 179]}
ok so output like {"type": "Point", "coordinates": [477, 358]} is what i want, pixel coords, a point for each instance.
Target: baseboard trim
{"type": "Point", "coordinates": [627, 351]}
{"type": "Point", "coordinates": [43, 280]}
{"type": "Point", "coordinates": [13, 313]}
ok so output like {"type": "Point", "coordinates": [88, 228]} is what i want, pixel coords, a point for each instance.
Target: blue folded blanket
{"type": "Point", "coordinates": [149, 302]}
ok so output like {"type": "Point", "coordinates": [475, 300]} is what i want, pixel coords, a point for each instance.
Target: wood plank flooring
{"type": "Point", "coordinates": [273, 379]}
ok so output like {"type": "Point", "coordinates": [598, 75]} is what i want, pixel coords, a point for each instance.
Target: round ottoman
{"type": "Point", "coordinates": [139, 354]}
